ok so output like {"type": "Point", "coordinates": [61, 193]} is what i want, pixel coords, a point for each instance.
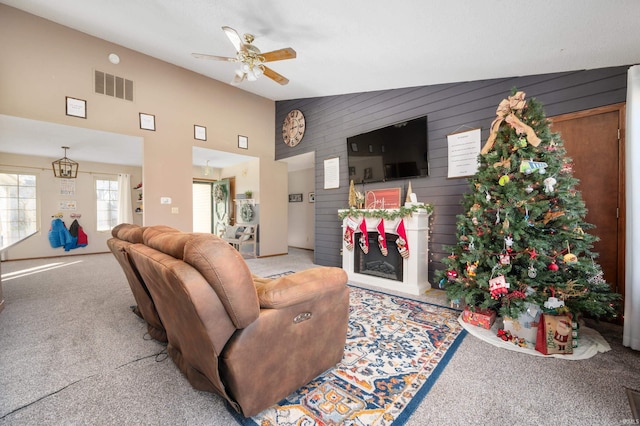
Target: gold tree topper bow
{"type": "Point", "coordinates": [506, 112]}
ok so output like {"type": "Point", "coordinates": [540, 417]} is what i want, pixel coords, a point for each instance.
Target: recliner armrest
{"type": "Point", "coordinates": [299, 287]}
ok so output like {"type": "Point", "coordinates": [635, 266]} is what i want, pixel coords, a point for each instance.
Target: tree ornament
{"type": "Point", "coordinates": [471, 268]}
{"type": "Point", "coordinates": [529, 189]}
{"type": "Point", "coordinates": [452, 275]}
{"type": "Point", "coordinates": [504, 179]}
{"type": "Point", "coordinates": [498, 287]}
{"type": "Point", "coordinates": [553, 266]}
{"type": "Point", "coordinates": [531, 272]}
{"type": "Point", "coordinates": [570, 258]}
{"type": "Point", "coordinates": [528, 167]}
{"type": "Point", "coordinates": [549, 183]}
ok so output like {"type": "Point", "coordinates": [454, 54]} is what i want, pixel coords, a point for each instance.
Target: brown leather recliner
{"type": "Point", "coordinates": [251, 340]}
{"type": "Point", "coordinates": [124, 235]}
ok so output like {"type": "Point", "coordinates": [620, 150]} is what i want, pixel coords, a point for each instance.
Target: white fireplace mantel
{"type": "Point", "coordinates": [415, 279]}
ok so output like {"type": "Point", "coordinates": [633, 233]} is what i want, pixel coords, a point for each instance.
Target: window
{"type": "Point", "coordinates": [107, 204]}
{"type": "Point", "coordinates": [18, 207]}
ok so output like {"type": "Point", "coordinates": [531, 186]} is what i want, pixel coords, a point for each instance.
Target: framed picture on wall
{"type": "Point", "coordinates": [76, 107]}
{"type": "Point", "coordinates": [199, 132]}
{"type": "Point", "coordinates": [243, 142]}
{"type": "Point", "coordinates": [295, 198]}
{"type": "Point", "coordinates": [147, 121]}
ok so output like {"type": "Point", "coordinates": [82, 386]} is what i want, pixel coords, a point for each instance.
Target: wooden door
{"type": "Point", "coordinates": [594, 140]}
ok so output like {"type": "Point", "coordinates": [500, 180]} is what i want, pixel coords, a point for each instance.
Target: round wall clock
{"type": "Point", "coordinates": [293, 128]}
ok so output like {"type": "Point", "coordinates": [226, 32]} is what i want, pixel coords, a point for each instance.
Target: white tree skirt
{"type": "Point", "coordinates": [590, 342]}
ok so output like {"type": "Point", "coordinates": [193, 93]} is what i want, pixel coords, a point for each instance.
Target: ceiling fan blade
{"type": "Point", "coordinates": [279, 55]}
{"type": "Point", "coordinates": [235, 38]}
{"type": "Point", "coordinates": [275, 76]}
{"type": "Point", "coordinates": [214, 57]}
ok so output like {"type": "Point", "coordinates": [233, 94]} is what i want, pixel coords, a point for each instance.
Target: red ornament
{"type": "Point", "coordinates": [553, 266]}
{"type": "Point", "coordinates": [452, 275]}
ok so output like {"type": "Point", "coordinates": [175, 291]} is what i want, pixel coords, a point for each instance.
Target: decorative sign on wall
{"type": "Point", "coordinates": [67, 186]}
{"type": "Point", "coordinates": [295, 198]}
{"type": "Point", "coordinates": [382, 198]}
{"type": "Point", "coordinates": [332, 173]}
{"type": "Point", "coordinates": [67, 205]}
{"type": "Point", "coordinates": [464, 148]}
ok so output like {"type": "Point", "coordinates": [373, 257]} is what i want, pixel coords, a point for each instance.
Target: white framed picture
{"type": "Point", "coordinates": [147, 121]}
{"type": "Point", "coordinates": [199, 132]}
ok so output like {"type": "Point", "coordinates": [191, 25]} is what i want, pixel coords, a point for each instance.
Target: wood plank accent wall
{"type": "Point", "coordinates": [449, 107]}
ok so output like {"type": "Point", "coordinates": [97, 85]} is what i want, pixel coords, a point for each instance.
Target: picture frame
{"type": "Point", "coordinates": [243, 142]}
{"type": "Point", "coordinates": [75, 107]}
{"type": "Point", "coordinates": [199, 132]}
{"type": "Point", "coordinates": [312, 197]}
{"type": "Point", "coordinates": [147, 121]}
{"type": "Point", "coordinates": [295, 198]}
{"type": "Point", "coordinates": [352, 170]}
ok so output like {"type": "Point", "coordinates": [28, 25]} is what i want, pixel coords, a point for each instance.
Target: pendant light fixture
{"type": "Point", "coordinates": [65, 167]}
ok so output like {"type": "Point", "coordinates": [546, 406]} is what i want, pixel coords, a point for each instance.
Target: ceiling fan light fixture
{"type": "Point", "coordinates": [65, 167]}
{"type": "Point", "coordinates": [251, 75]}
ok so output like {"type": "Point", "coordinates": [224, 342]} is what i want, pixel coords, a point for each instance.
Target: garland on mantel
{"type": "Point", "coordinates": [385, 214]}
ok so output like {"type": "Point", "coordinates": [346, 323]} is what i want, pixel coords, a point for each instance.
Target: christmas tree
{"type": "Point", "coordinates": [523, 238]}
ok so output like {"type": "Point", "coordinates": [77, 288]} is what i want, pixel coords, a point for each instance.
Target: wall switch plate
{"type": "Point", "coordinates": [174, 210]}
{"type": "Point", "coordinates": [165, 200]}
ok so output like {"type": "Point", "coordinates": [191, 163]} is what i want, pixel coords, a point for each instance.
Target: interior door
{"type": "Point", "coordinates": [593, 139]}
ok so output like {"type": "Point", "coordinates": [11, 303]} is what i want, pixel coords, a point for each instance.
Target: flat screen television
{"type": "Point", "coordinates": [398, 151]}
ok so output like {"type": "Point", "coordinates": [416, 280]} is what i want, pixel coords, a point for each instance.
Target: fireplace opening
{"type": "Point", "coordinates": [376, 264]}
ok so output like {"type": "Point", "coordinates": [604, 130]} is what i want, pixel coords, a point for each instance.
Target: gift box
{"type": "Point", "coordinates": [481, 317]}
{"type": "Point", "coordinates": [526, 325]}
{"type": "Point", "coordinates": [555, 334]}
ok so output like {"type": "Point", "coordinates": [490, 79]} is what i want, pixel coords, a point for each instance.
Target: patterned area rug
{"type": "Point", "coordinates": [396, 348]}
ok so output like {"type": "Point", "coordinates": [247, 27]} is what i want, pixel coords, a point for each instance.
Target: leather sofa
{"type": "Point", "coordinates": [251, 340]}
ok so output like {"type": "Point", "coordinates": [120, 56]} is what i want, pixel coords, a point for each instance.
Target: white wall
{"type": "Point", "coordinates": [302, 215]}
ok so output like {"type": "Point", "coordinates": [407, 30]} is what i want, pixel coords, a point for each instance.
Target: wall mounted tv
{"type": "Point", "coordinates": [398, 151]}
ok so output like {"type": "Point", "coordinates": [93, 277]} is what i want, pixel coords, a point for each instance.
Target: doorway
{"type": "Point", "coordinates": [594, 140]}
{"type": "Point", "coordinates": [213, 206]}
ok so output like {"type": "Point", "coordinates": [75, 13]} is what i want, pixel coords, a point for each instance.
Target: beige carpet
{"type": "Point", "coordinates": [72, 352]}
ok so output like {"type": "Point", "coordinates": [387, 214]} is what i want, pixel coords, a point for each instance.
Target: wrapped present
{"type": "Point", "coordinates": [526, 325]}
{"type": "Point", "coordinates": [555, 334]}
{"type": "Point", "coordinates": [481, 317]}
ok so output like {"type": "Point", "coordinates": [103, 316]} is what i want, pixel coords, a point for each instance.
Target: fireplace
{"type": "Point", "coordinates": [392, 272]}
{"type": "Point", "coordinates": [376, 264]}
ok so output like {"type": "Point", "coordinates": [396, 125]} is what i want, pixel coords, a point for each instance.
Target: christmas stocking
{"type": "Point", "coordinates": [401, 242]}
{"type": "Point", "coordinates": [382, 240]}
{"type": "Point", "coordinates": [364, 237]}
{"type": "Point", "coordinates": [348, 233]}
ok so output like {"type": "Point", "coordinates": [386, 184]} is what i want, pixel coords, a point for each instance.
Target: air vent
{"type": "Point", "coordinates": [112, 85]}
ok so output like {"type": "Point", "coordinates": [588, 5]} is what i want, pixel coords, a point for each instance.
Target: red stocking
{"type": "Point", "coordinates": [401, 242]}
{"type": "Point", "coordinates": [382, 240]}
{"type": "Point", "coordinates": [348, 233]}
{"type": "Point", "coordinates": [364, 236]}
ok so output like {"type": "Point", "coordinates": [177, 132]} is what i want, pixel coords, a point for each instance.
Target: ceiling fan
{"type": "Point", "coordinates": [251, 59]}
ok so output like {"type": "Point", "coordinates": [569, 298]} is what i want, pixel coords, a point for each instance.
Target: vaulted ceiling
{"type": "Point", "coordinates": [360, 45]}
{"type": "Point", "coordinates": [365, 45]}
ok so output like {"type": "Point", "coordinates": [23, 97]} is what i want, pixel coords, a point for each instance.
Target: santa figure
{"type": "Point", "coordinates": [562, 333]}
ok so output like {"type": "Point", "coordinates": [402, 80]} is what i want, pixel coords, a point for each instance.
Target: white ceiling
{"type": "Point", "coordinates": [366, 45]}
